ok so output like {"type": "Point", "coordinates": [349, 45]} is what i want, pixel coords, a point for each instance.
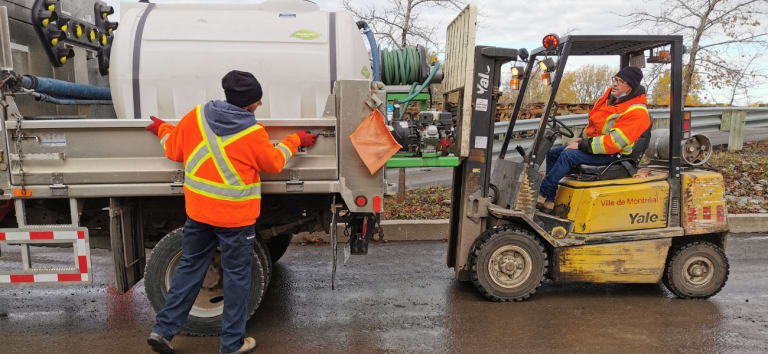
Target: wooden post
{"type": "Point", "coordinates": [725, 120]}
{"type": "Point", "coordinates": [401, 186]}
{"type": "Point", "coordinates": [661, 123]}
{"type": "Point", "coordinates": [736, 136]}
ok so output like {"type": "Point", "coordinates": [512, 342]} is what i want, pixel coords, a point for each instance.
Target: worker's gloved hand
{"type": "Point", "coordinates": [155, 126]}
{"type": "Point", "coordinates": [306, 138]}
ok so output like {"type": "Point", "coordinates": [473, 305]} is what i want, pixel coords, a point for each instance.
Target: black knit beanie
{"type": "Point", "coordinates": [241, 88]}
{"type": "Point", "coordinates": [631, 75]}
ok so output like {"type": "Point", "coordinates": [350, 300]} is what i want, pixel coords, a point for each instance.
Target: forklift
{"type": "Point", "coordinates": [663, 221]}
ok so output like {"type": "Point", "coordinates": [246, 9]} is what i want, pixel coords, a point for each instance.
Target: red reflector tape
{"type": "Point", "coordinates": [81, 235]}
{"type": "Point", "coordinates": [377, 204]}
{"type": "Point", "coordinates": [41, 235]}
{"type": "Point", "coordinates": [69, 277]}
{"type": "Point", "coordinates": [82, 261]}
{"type": "Point", "coordinates": [2, 236]}
{"type": "Point", "coordinates": [26, 278]}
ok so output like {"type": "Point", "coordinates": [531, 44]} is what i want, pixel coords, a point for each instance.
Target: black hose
{"type": "Point", "coordinates": [69, 101]}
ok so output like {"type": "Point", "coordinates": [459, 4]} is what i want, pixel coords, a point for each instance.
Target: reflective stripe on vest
{"type": "Point", "coordinates": [163, 140]}
{"type": "Point", "coordinates": [618, 137]}
{"type": "Point", "coordinates": [212, 147]}
{"type": "Point", "coordinates": [613, 118]}
{"type": "Point", "coordinates": [285, 151]}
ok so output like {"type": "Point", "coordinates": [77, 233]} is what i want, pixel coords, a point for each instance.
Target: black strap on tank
{"type": "Point", "coordinates": [137, 61]}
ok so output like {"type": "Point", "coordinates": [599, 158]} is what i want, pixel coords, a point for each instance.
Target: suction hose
{"type": "Point", "coordinates": [65, 89]}
{"type": "Point", "coordinates": [374, 49]}
{"type": "Point", "coordinates": [68, 101]}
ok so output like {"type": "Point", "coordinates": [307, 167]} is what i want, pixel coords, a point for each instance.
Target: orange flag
{"type": "Point", "coordinates": [373, 142]}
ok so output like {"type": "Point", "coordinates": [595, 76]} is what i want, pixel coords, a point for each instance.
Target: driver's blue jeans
{"type": "Point", "coordinates": [560, 162]}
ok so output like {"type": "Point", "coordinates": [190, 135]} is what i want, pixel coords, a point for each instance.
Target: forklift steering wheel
{"type": "Point", "coordinates": [562, 129]}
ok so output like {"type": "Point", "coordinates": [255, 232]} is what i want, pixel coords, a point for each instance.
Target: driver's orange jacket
{"type": "Point", "coordinates": [222, 186]}
{"type": "Point", "coordinates": [614, 129]}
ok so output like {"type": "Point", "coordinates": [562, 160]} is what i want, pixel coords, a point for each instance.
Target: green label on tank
{"type": "Point", "coordinates": [305, 35]}
{"type": "Point", "coordinates": [366, 73]}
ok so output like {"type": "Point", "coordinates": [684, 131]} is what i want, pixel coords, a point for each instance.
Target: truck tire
{"type": "Point", "coordinates": [262, 251]}
{"type": "Point", "coordinates": [278, 245]}
{"type": "Point", "coordinates": [698, 270]}
{"type": "Point", "coordinates": [205, 317]}
{"type": "Point", "coordinates": [508, 264]}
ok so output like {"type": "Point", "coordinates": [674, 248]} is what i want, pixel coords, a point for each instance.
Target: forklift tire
{"type": "Point", "coordinates": [698, 270]}
{"type": "Point", "coordinates": [508, 264]}
{"type": "Point", "coordinates": [278, 245]}
{"type": "Point", "coordinates": [203, 320]}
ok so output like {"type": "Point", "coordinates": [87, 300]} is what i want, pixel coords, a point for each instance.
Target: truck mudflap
{"type": "Point", "coordinates": [79, 273]}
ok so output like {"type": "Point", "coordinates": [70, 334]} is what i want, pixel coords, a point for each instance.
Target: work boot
{"type": "Point", "coordinates": [249, 344]}
{"type": "Point", "coordinates": [159, 344]}
{"type": "Point", "coordinates": [544, 205]}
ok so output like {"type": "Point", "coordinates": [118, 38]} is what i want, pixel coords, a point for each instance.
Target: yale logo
{"type": "Point", "coordinates": [638, 218]}
{"type": "Point", "coordinates": [483, 82]}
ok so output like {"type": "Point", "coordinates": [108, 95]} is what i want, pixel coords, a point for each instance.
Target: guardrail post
{"type": "Point", "coordinates": [725, 120]}
{"type": "Point", "coordinates": [737, 122]}
{"type": "Point", "coordinates": [661, 123]}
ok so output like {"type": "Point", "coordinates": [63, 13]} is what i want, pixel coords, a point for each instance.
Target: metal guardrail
{"type": "Point", "coordinates": [703, 119]}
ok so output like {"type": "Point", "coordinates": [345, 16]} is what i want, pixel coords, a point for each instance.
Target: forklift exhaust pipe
{"type": "Point", "coordinates": [696, 150]}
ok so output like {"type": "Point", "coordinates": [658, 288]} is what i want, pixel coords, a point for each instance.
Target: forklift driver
{"type": "Point", "coordinates": [616, 121]}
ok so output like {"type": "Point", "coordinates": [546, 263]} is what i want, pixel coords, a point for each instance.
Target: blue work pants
{"type": "Point", "coordinates": [560, 162]}
{"type": "Point", "coordinates": [198, 246]}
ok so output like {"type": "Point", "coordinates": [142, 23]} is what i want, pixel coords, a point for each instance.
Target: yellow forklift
{"type": "Point", "coordinates": [622, 223]}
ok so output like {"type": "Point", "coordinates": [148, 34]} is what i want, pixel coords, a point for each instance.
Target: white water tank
{"type": "Point", "coordinates": [168, 57]}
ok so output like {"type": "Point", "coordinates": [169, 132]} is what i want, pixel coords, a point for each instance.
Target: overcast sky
{"type": "Point", "coordinates": [522, 24]}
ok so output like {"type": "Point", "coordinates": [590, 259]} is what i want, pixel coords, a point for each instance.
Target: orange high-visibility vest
{"type": "Point", "coordinates": [222, 186]}
{"type": "Point", "coordinates": [614, 129]}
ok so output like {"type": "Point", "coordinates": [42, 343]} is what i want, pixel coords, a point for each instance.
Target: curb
{"type": "Point", "coordinates": [748, 223]}
{"type": "Point", "coordinates": [438, 230]}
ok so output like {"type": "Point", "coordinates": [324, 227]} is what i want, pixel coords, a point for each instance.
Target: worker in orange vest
{"type": "Point", "coordinates": [223, 149]}
{"type": "Point", "coordinates": [616, 122]}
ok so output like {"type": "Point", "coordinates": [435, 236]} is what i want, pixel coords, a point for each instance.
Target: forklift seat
{"type": "Point", "coordinates": [623, 167]}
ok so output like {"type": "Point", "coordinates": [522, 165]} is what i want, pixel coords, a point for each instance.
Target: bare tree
{"type": "Point", "coordinates": [711, 28]}
{"type": "Point", "coordinates": [743, 77]}
{"type": "Point", "coordinates": [397, 22]}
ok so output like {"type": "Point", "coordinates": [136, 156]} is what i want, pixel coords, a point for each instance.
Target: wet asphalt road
{"type": "Point", "coordinates": [402, 298]}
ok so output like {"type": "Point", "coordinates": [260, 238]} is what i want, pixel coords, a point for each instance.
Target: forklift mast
{"type": "Point", "coordinates": [472, 176]}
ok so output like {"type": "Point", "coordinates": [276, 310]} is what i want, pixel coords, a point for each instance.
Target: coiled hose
{"type": "Point", "coordinates": [400, 66]}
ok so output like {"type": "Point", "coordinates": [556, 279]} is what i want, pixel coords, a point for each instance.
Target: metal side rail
{"type": "Point", "coordinates": [703, 119]}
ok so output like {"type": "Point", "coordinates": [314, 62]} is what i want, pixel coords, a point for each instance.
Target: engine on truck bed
{"type": "Point", "coordinates": [430, 134]}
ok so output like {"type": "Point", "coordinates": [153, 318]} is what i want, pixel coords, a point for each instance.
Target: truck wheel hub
{"type": "Point", "coordinates": [209, 301]}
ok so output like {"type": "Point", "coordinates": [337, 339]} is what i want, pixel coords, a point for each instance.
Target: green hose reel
{"type": "Point", "coordinates": [407, 66]}
{"type": "Point", "coordinates": [400, 66]}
